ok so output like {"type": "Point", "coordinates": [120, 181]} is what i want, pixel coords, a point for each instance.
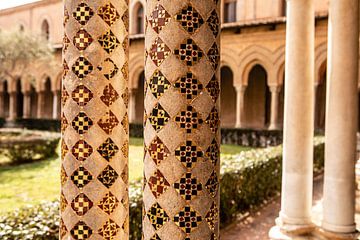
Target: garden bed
{"type": "Point", "coordinates": [247, 180]}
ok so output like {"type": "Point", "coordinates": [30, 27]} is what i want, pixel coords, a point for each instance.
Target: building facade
{"type": "Point", "coordinates": [252, 63]}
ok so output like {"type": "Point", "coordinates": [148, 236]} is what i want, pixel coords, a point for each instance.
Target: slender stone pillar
{"type": "Point", "coordinates": [182, 126]}
{"type": "Point", "coordinates": [40, 104]}
{"type": "Point", "coordinates": [27, 104]}
{"type": "Point", "coordinates": [2, 105]}
{"type": "Point", "coordinates": [95, 142]}
{"type": "Point", "coordinates": [274, 114]}
{"type": "Point", "coordinates": [132, 105]}
{"type": "Point", "coordinates": [297, 176]}
{"type": "Point", "coordinates": [341, 118]}
{"type": "Point", "coordinates": [12, 106]}
{"type": "Point", "coordinates": [240, 93]}
{"type": "Point", "coordinates": [56, 104]}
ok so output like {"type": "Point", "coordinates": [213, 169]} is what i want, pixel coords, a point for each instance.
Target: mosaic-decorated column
{"type": "Point", "coordinates": [94, 172]}
{"type": "Point", "coordinates": [181, 187]}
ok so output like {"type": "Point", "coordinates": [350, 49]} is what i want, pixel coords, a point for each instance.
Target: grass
{"type": "Point", "coordinates": [32, 183]}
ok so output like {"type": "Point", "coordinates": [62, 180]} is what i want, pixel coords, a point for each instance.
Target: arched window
{"type": "Point", "coordinates": [45, 29]}
{"type": "Point", "coordinates": [283, 8]}
{"type": "Point", "coordinates": [230, 11]}
{"type": "Point", "coordinates": [139, 19]}
{"type": "Point", "coordinates": [21, 28]}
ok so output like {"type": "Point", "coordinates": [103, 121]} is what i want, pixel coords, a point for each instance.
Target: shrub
{"type": "Point", "coordinates": [22, 146]}
{"type": "Point", "coordinates": [247, 180]}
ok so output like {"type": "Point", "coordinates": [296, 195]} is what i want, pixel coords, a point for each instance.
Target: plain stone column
{"type": "Point", "coordinates": [2, 105]}
{"type": "Point", "coordinates": [182, 120]}
{"type": "Point", "coordinates": [240, 93]}
{"type": "Point", "coordinates": [40, 104]}
{"type": "Point", "coordinates": [94, 200]}
{"type": "Point", "coordinates": [56, 104]}
{"type": "Point", "coordinates": [341, 117]}
{"type": "Point", "coordinates": [274, 114]}
{"type": "Point", "coordinates": [132, 105]}
{"type": "Point", "coordinates": [297, 176]}
{"type": "Point", "coordinates": [12, 106]}
{"type": "Point", "coordinates": [27, 104]}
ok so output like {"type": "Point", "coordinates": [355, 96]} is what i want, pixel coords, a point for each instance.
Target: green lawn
{"type": "Point", "coordinates": [35, 182]}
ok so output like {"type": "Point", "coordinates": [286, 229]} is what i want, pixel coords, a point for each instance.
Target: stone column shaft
{"type": "Point", "coordinates": [40, 104]}
{"type": "Point", "coordinates": [27, 105]}
{"type": "Point", "coordinates": [12, 106]}
{"type": "Point", "coordinates": [341, 117]}
{"type": "Point", "coordinates": [297, 178]}
{"type": "Point", "coordinates": [132, 106]}
{"type": "Point", "coordinates": [274, 114]}
{"type": "Point", "coordinates": [95, 126]}
{"type": "Point", "coordinates": [56, 104]}
{"type": "Point", "coordinates": [2, 105]}
{"type": "Point", "coordinates": [240, 93]}
{"type": "Point", "coordinates": [182, 126]}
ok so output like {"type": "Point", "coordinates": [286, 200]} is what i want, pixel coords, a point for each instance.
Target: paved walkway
{"type": "Point", "coordinates": [258, 224]}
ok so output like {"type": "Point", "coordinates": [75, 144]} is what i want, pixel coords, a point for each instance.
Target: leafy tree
{"type": "Point", "coordinates": [21, 50]}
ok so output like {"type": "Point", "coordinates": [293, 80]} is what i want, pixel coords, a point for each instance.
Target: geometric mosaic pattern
{"type": "Point", "coordinates": [158, 184]}
{"type": "Point", "coordinates": [181, 120]}
{"type": "Point", "coordinates": [159, 18]}
{"type": "Point", "coordinates": [188, 187]}
{"type": "Point", "coordinates": [190, 19]}
{"type": "Point", "coordinates": [96, 42]}
{"type": "Point", "coordinates": [157, 216]}
{"type": "Point", "coordinates": [188, 119]}
{"type": "Point", "coordinates": [189, 86]}
{"type": "Point", "coordinates": [187, 219]}
{"type": "Point", "coordinates": [188, 154]}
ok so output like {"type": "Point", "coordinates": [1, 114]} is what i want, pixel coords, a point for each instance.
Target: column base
{"type": "Point", "coordinates": [274, 127]}
{"type": "Point", "coordinates": [285, 231]}
{"type": "Point", "coordinates": [338, 229]}
{"type": "Point", "coordinates": [323, 234]}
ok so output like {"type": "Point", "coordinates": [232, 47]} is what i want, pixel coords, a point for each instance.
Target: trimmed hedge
{"type": "Point", "coordinates": [23, 146]}
{"type": "Point", "coordinates": [247, 180]}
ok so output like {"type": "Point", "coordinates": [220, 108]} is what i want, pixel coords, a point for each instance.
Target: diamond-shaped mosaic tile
{"type": "Point", "coordinates": [81, 150]}
{"type": "Point", "coordinates": [66, 16]}
{"type": "Point", "coordinates": [125, 174]}
{"type": "Point", "coordinates": [188, 119]}
{"type": "Point", "coordinates": [64, 96]}
{"type": "Point", "coordinates": [189, 86]}
{"type": "Point", "coordinates": [81, 177]}
{"type": "Point", "coordinates": [82, 39]}
{"type": "Point", "coordinates": [82, 95]}
{"type": "Point", "coordinates": [158, 117]}
{"type": "Point", "coordinates": [213, 88]}
{"type": "Point", "coordinates": [158, 151]}
{"type": "Point", "coordinates": [64, 123]}
{"type": "Point", "coordinates": [213, 152]}
{"type": "Point", "coordinates": [108, 176]}
{"type": "Point", "coordinates": [190, 19]}
{"type": "Point", "coordinates": [82, 67]}
{"type": "Point", "coordinates": [157, 216]}
{"type": "Point", "coordinates": [66, 43]}
{"type": "Point", "coordinates": [81, 231]}
{"type": "Point", "coordinates": [63, 202]}
{"type": "Point", "coordinates": [188, 154]}
{"type": "Point", "coordinates": [212, 216]}
{"type": "Point", "coordinates": [64, 149]}
{"type": "Point", "coordinates": [125, 19]}
{"type": "Point", "coordinates": [212, 184]}
{"type": "Point", "coordinates": [155, 237]}
{"type": "Point", "coordinates": [159, 51]}
{"type": "Point", "coordinates": [109, 68]}
{"type": "Point", "coordinates": [109, 42]}
{"type": "Point", "coordinates": [188, 186]}
{"type": "Point", "coordinates": [125, 123]}
{"type": "Point", "coordinates": [81, 204]}
{"type": "Point", "coordinates": [108, 13]}
{"type": "Point", "coordinates": [213, 120]}
{"type": "Point", "coordinates": [158, 84]}
{"type": "Point", "coordinates": [109, 230]}
{"type": "Point", "coordinates": [126, 98]}
{"type": "Point", "coordinates": [83, 13]}
{"type": "Point", "coordinates": [108, 203]}
{"type": "Point", "coordinates": [214, 23]}
{"type": "Point", "coordinates": [187, 219]}
{"type": "Point", "coordinates": [214, 56]}
{"type": "Point", "coordinates": [109, 95]}
{"type": "Point", "coordinates": [108, 122]}
{"type": "Point", "coordinates": [189, 52]}
{"type": "Point", "coordinates": [63, 176]}
{"type": "Point", "coordinates": [125, 71]}
{"type": "Point", "coordinates": [65, 68]}
{"type": "Point", "coordinates": [159, 18]}
{"type": "Point", "coordinates": [108, 149]}
{"type": "Point", "coordinates": [125, 149]}
{"type": "Point", "coordinates": [158, 184]}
